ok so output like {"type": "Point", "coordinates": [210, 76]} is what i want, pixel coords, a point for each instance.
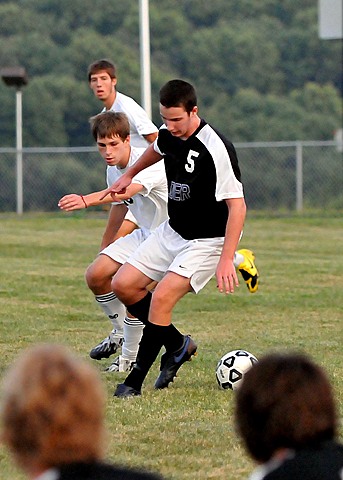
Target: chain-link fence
{"type": "Point", "coordinates": [292, 175]}
{"type": "Point", "coordinates": [276, 176]}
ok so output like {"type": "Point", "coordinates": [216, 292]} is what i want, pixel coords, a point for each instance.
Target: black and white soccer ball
{"type": "Point", "coordinates": [231, 368]}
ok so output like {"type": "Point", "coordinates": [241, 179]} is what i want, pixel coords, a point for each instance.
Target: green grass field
{"type": "Point", "coordinates": [186, 431]}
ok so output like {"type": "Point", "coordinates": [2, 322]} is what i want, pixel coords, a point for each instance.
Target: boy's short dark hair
{"type": "Point", "coordinates": [110, 124]}
{"type": "Point", "coordinates": [285, 401]}
{"type": "Point", "coordinates": [100, 65]}
{"type": "Point", "coordinates": [177, 93]}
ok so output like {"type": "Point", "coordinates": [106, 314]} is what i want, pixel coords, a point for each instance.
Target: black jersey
{"type": "Point", "coordinates": [202, 172]}
{"type": "Point", "coordinates": [324, 462]}
{"type": "Point", "coordinates": [102, 471]}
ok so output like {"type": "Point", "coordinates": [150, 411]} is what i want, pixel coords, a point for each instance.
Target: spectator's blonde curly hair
{"type": "Point", "coordinates": [52, 408]}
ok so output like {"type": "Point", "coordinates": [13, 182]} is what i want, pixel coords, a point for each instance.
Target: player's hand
{"type": "Point", "coordinates": [226, 276]}
{"type": "Point", "coordinates": [71, 202]}
{"type": "Point", "coordinates": [118, 187]}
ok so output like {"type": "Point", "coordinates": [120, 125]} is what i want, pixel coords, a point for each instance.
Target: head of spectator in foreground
{"type": "Point", "coordinates": [52, 410]}
{"type": "Point", "coordinates": [285, 402]}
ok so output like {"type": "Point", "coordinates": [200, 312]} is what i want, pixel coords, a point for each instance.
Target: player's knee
{"type": "Point", "coordinates": [88, 276]}
{"type": "Point", "coordinates": [119, 286]}
{"type": "Point", "coordinates": [124, 289]}
{"type": "Point", "coordinates": [93, 277]}
{"type": "Point", "coordinates": [160, 301]}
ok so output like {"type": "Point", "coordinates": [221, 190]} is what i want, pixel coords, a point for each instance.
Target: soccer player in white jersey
{"type": "Point", "coordinates": [102, 79]}
{"type": "Point", "coordinates": [206, 210]}
{"type": "Point", "coordinates": [147, 200]}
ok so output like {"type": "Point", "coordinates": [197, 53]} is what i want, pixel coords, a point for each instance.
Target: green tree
{"type": "Point", "coordinates": [253, 64]}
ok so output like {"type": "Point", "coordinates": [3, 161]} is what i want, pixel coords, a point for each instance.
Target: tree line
{"type": "Point", "coordinates": [260, 69]}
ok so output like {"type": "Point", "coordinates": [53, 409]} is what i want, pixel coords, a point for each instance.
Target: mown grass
{"type": "Point", "coordinates": [186, 431]}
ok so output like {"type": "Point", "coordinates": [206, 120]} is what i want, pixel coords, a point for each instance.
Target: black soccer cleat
{"type": "Point", "coordinates": [124, 391]}
{"type": "Point", "coordinates": [171, 362]}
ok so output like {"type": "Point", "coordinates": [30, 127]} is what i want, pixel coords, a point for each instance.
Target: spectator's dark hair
{"type": "Point", "coordinates": [178, 93]}
{"type": "Point", "coordinates": [285, 401]}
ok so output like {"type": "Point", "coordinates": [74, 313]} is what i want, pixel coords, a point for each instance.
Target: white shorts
{"type": "Point", "coordinates": [165, 250]}
{"type": "Point", "coordinates": [123, 247]}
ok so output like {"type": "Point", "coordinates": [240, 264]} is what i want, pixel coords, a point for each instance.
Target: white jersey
{"type": "Point", "coordinates": [149, 206]}
{"type": "Point", "coordinates": [140, 123]}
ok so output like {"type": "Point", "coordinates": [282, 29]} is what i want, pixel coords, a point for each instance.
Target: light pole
{"type": "Point", "coordinates": [17, 77]}
{"type": "Point", "coordinates": [145, 55]}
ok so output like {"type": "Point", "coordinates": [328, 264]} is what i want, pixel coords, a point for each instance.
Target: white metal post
{"type": "Point", "coordinates": [299, 176]}
{"type": "Point", "coordinates": [19, 148]}
{"type": "Point", "coordinates": [145, 55]}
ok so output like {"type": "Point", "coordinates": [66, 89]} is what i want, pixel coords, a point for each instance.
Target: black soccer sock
{"type": "Point", "coordinates": [149, 347]}
{"type": "Point", "coordinates": [141, 308]}
{"type": "Point", "coordinates": [173, 339]}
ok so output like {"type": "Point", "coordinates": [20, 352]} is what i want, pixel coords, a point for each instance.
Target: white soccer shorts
{"type": "Point", "coordinates": [124, 247]}
{"type": "Point", "coordinates": [165, 250]}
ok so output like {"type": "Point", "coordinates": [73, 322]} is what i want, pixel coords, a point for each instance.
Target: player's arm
{"type": "Point", "coordinates": [150, 137]}
{"type": "Point", "coordinates": [149, 157]}
{"type": "Point", "coordinates": [117, 214]}
{"type": "Point", "coordinates": [115, 219]}
{"type": "Point", "coordinates": [74, 201]}
{"type": "Point", "coordinates": [226, 272]}
{"type": "Point", "coordinates": [131, 190]}
{"type": "Point", "coordinates": [125, 228]}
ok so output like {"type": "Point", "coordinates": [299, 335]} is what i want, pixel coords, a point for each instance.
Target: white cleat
{"type": "Point", "coordinates": [120, 364]}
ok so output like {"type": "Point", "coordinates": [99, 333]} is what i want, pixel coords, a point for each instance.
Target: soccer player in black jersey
{"type": "Point", "coordinates": [206, 210]}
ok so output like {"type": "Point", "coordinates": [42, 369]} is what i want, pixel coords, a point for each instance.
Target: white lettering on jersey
{"type": "Point", "coordinates": [189, 166]}
{"type": "Point", "coordinates": [179, 191]}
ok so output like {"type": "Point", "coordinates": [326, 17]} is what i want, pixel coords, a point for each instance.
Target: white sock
{"type": "Point", "coordinates": [238, 259]}
{"type": "Point", "coordinates": [114, 309]}
{"type": "Point", "coordinates": [133, 331]}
